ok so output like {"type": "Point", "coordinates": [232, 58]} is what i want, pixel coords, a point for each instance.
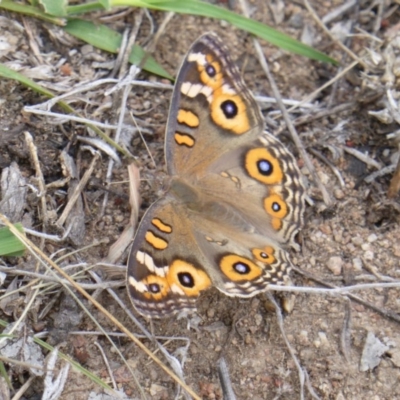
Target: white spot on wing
{"type": "Point", "coordinates": [144, 258]}
{"type": "Point", "coordinates": [176, 289]}
{"type": "Point", "coordinates": [139, 286]}
{"type": "Point", "coordinates": [228, 90]}
{"type": "Point", "coordinates": [200, 58]}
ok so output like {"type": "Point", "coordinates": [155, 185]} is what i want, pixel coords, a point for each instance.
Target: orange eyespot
{"type": "Point", "coordinates": [238, 268]}
{"type": "Point", "coordinates": [275, 206]}
{"type": "Point", "coordinates": [157, 287]}
{"type": "Point", "coordinates": [229, 112]}
{"type": "Point", "coordinates": [265, 255]}
{"type": "Point", "coordinates": [261, 165]}
{"type": "Point", "coordinates": [187, 277]}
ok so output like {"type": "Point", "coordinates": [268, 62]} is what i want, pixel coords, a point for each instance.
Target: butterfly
{"type": "Point", "coordinates": [234, 200]}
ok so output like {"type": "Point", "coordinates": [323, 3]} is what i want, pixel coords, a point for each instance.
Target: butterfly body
{"type": "Point", "coordinates": [234, 201]}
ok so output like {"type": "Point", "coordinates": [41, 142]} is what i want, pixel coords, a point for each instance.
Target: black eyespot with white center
{"type": "Point", "coordinates": [229, 108]}
{"type": "Point", "coordinates": [186, 279]}
{"type": "Point", "coordinates": [264, 167]}
{"type": "Point", "coordinates": [210, 70]}
{"type": "Point", "coordinates": [154, 288]}
{"type": "Point", "coordinates": [276, 207]}
{"type": "Point", "coordinates": [264, 255]}
{"type": "Point", "coordinates": [241, 268]}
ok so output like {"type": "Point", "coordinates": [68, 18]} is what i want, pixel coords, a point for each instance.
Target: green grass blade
{"type": "Point", "coordinates": [197, 7]}
{"type": "Point", "coordinates": [10, 246]}
{"type": "Point", "coordinates": [88, 7]}
{"type": "Point", "coordinates": [30, 11]}
{"type": "Point", "coordinates": [54, 7]}
{"type": "Point", "coordinates": [106, 39]}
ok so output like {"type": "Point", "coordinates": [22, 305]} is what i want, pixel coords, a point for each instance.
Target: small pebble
{"type": "Point", "coordinates": [357, 264]}
{"type": "Point", "coordinates": [372, 237]}
{"type": "Point", "coordinates": [339, 194]}
{"type": "Point", "coordinates": [323, 339]}
{"type": "Point", "coordinates": [358, 241]}
{"type": "Point", "coordinates": [369, 255]}
{"type": "Point", "coordinates": [335, 264]}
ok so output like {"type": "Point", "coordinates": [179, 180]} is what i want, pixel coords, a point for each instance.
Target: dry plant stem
{"type": "Point", "coordinates": [378, 20]}
{"type": "Point", "coordinates": [131, 41]}
{"type": "Point", "coordinates": [23, 388]}
{"type": "Point", "coordinates": [161, 29]}
{"type": "Point", "coordinates": [21, 363]}
{"type": "Point", "coordinates": [309, 386]}
{"type": "Point", "coordinates": [305, 119]}
{"type": "Point", "coordinates": [45, 278]}
{"type": "Point", "coordinates": [32, 42]}
{"type": "Point", "coordinates": [125, 93]}
{"type": "Point", "coordinates": [384, 171]}
{"type": "Point", "coordinates": [123, 306]}
{"type": "Point", "coordinates": [225, 380]}
{"type": "Point", "coordinates": [288, 345]}
{"type": "Point", "coordinates": [110, 372]}
{"type": "Point", "coordinates": [395, 181]}
{"type": "Point", "coordinates": [329, 164]}
{"type": "Point", "coordinates": [385, 313]}
{"type": "Point", "coordinates": [345, 337]}
{"type": "Point", "coordinates": [143, 139]}
{"type": "Point", "coordinates": [329, 34]}
{"type": "Point", "coordinates": [338, 11]}
{"type": "Point", "coordinates": [78, 190]}
{"type": "Point", "coordinates": [324, 113]}
{"type": "Point", "coordinates": [39, 175]}
{"type": "Point", "coordinates": [38, 253]}
{"type": "Point", "coordinates": [292, 130]}
{"type": "Point", "coordinates": [324, 86]}
{"type": "Point", "coordinates": [363, 157]}
{"type": "Point", "coordinates": [121, 52]}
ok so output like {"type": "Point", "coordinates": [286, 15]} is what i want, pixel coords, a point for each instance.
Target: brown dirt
{"type": "Point", "coordinates": [353, 241]}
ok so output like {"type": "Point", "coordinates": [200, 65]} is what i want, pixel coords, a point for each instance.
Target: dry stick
{"type": "Point", "coordinates": [345, 338]}
{"type": "Point", "coordinates": [105, 359]}
{"type": "Point", "coordinates": [32, 41]}
{"type": "Point", "coordinates": [329, 34]}
{"type": "Point", "coordinates": [39, 175]}
{"type": "Point", "coordinates": [24, 388]}
{"type": "Point", "coordinates": [306, 119]}
{"type": "Point", "coordinates": [292, 130]}
{"type": "Point", "coordinates": [36, 251]}
{"type": "Point", "coordinates": [387, 314]}
{"type": "Point", "coordinates": [78, 190]}
{"type": "Point", "coordinates": [131, 41]}
{"type": "Point", "coordinates": [225, 380]}
{"type": "Point", "coordinates": [329, 164]}
{"type": "Point", "coordinates": [121, 52]}
{"type": "Point", "coordinates": [288, 345]}
{"type": "Point", "coordinates": [339, 11]}
{"type": "Point", "coordinates": [363, 157]}
{"type": "Point", "coordinates": [324, 86]}
{"type": "Point", "coordinates": [395, 181]}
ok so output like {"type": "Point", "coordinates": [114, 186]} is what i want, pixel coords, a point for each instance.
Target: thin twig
{"type": "Point", "coordinates": [105, 359]}
{"type": "Point", "coordinates": [39, 176]}
{"type": "Point", "coordinates": [332, 37]}
{"type": "Point", "coordinates": [78, 190]}
{"type": "Point", "coordinates": [291, 350]}
{"type": "Point", "coordinates": [329, 164]}
{"type": "Point", "coordinates": [362, 157]}
{"type": "Point", "coordinates": [225, 380]}
{"type": "Point", "coordinates": [346, 290]}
